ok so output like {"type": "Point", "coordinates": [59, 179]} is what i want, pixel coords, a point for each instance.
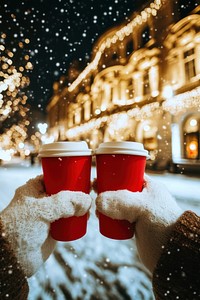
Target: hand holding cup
{"type": "Point", "coordinates": [67, 166]}
{"type": "Point", "coordinates": [154, 212]}
{"type": "Point", "coordinates": [26, 221]}
{"type": "Point", "coordinates": [120, 165]}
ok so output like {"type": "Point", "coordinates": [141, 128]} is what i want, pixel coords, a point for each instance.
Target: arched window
{"type": "Point", "coordinates": [146, 83]}
{"type": "Point", "coordinates": [183, 55]}
{"type": "Point", "coordinates": [146, 36]}
{"type": "Point", "coordinates": [189, 63]}
{"type": "Point", "coordinates": [150, 136]}
{"type": "Point", "coordinates": [191, 132]}
{"type": "Point", "coordinates": [130, 89]}
{"type": "Point", "coordinates": [147, 134]}
{"type": "Point", "coordinates": [129, 47]}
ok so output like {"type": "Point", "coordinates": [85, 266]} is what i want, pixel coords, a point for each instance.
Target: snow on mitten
{"type": "Point", "coordinates": [26, 221]}
{"type": "Point", "coordinates": [153, 210]}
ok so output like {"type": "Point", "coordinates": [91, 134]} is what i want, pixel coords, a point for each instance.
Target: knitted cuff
{"type": "Point", "coordinates": [13, 284]}
{"type": "Point", "coordinates": [177, 274]}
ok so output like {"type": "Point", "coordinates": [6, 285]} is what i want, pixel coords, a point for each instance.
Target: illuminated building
{"type": "Point", "coordinates": [142, 84]}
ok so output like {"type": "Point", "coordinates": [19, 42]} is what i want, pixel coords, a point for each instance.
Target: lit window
{"type": "Point", "coordinates": [145, 36]}
{"type": "Point", "coordinates": [189, 62]}
{"type": "Point", "coordinates": [146, 85]}
{"type": "Point", "coordinates": [149, 133]}
{"type": "Point", "coordinates": [191, 133]}
{"type": "Point", "coordinates": [130, 89]}
{"type": "Point", "coordinates": [129, 48]}
{"type": "Point", "coordinates": [173, 67]}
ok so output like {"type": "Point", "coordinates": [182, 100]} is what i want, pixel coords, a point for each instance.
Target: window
{"type": "Point", "coordinates": [145, 36]}
{"type": "Point", "coordinates": [74, 119]}
{"type": "Point", "coordinates": [173, 67]}
{"type": "Point", "coordinates": [146, 85]}
{"type": "Point", "coordinates": [82, 114]}
{"type": "Point", "coordinates": [189, 62]}
{"type": "Point", "coordinates": [149, 133]}
{"type": "Point", "coordinates": [191, 132]}
{"type": "Point", "coordinates": [129, 47]}
{"type": "Point", "coordinates": [111, 94]}
{"type": "Point", "coordinates": [91, 108]}
{"type": "Point", "coordinates": [130, 89]}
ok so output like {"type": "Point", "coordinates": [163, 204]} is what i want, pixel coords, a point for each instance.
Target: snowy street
{"type": "Point", "coordinates": [95, 267]}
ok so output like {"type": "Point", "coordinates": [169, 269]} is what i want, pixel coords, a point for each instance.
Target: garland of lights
{"type": "Point", "coordinates": [12, 98]}
{"type": "Point", "coordinates": [183, 101]}
{"type": "Point", "coordinates": [173, 105]}
{"type": "Point", "coordinates": [119, 35]}
{"type": "Point", "coordinates": [145, 112]}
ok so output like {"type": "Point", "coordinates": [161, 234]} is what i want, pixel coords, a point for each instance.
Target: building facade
{"type": "Point", "coordinates": [142, 84]}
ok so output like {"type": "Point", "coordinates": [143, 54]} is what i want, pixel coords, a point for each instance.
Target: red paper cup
{"type": "Point", "coordinates": [120, 165]}
{"type": "Point", "coordinates": [67, 166]}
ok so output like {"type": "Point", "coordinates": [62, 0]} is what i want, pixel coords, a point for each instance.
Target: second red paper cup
{"type": "Point", "coordinates": [67, 166]}
{"type": "Point", "coordinates": [120, 165]}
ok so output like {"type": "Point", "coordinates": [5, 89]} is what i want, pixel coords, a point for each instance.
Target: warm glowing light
{"type": "Point", "coordinates": [29, 66]}
{"type": "Point", "coordinates": [42, 127]}
{"type": "Point", "coordinates": [138, 99]}
{"type": "Point", "coordinates": [5, 155]}
{"type": "Point", "coordinates": [103, 107]}
{"type": "Point", "coordinates": [167, 92]}
{"type": "Point", "coordinates": [47, 140]}
{"type": "Point", "coordinates": [27, 152]}
{"type": "Point", "coordinates": [183, 101]}
{"type": "Point", "coordinates": [97, 111]}
{"type": "Point", "coordinates": [145, 112]}
{"type": "Point", "coordinates": [21, 145]}
{"type": "Point", "coordinates": [193, 122]}
{"type": "Point", "coordinates": [12, 100]}
{"type": "Point", "coordinates": [6, 111]}
{"type": "Point", "coordinates": [155, 93]}
{"type": "Point", "coordinates": [193, 146]}
{"type": "Point", "coordinates": [146, 128]}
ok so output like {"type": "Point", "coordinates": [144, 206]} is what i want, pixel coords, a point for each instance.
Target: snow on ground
{"type": "Point", "coordinates": [185, 188]}
{"type": "Point", "coordinates": [95, 267]}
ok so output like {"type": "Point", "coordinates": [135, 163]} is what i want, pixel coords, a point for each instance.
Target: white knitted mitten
{"type": "Point", "coordinates": [154, 210]}
{"type": "Point", "coordinates": [26, 221]}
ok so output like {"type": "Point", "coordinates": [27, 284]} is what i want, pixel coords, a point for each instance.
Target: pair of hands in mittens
{"type": "Point", "coordinates": [26, 221]}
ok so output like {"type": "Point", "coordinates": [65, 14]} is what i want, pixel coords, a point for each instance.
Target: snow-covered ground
{"type": "Point", "coordinates": [95, 267]}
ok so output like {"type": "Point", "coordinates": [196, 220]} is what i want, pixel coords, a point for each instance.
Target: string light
{"type": "Point", "coordinates": [173, 105]}
{"type": "Point", "coordinates": [118, 36]}
{"type": "Point", "coordinates": [183, 101]}
{"type": "Point", "coordinates": [145, 112]}
{"type": "Point", "coordinates": [12, 98]}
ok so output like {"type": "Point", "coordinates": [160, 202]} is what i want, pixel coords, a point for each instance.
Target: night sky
{"type": "Point", "coordinates": [59, 32]}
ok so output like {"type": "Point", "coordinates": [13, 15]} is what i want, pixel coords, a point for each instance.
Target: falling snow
{"type": "Point", "coordinates": [60, 32]}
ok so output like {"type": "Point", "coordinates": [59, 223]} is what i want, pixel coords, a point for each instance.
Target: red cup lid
{"type": "Point", "coordinates": [131, 148]}
{"type": "Point", "coordinates": [58, 149]}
